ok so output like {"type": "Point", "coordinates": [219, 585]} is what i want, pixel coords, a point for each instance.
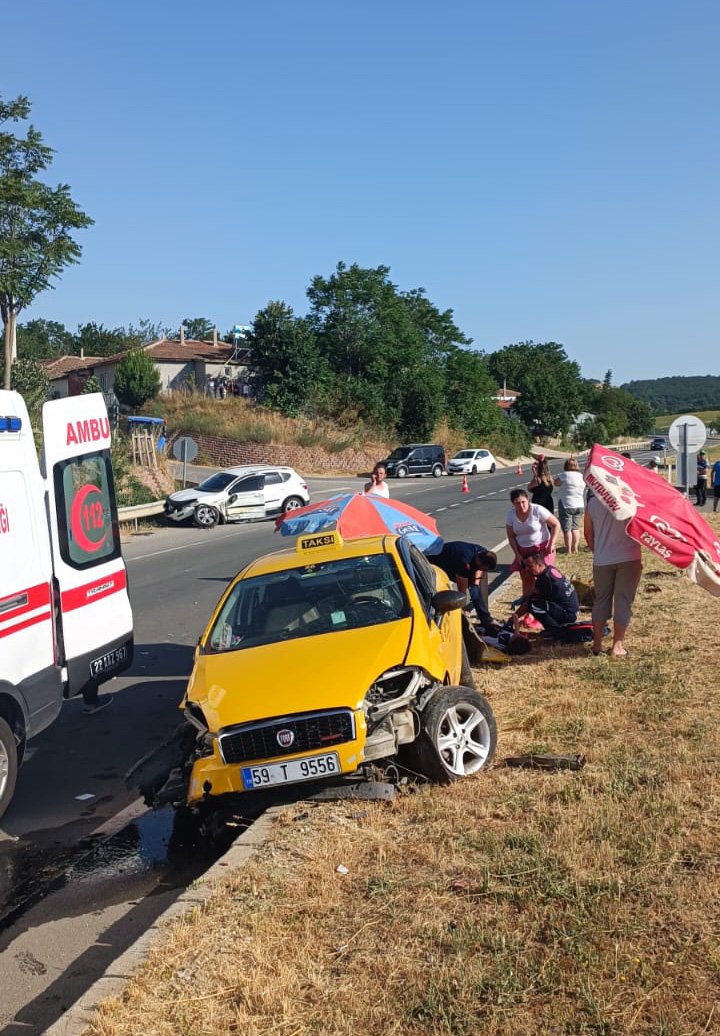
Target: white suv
{"type": "Point", "coordinates": [239, 494]}
{"type": "Point", "coordinates": [470, 462]}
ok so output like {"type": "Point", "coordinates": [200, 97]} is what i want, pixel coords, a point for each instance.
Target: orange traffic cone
{"type": "Point", "coordinates": [519, 468]}
{"type": "Point", "coordinates": [465, 487]}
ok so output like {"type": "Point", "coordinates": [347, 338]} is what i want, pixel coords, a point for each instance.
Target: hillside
{"type": "Point", "coordinates": [677, 395]}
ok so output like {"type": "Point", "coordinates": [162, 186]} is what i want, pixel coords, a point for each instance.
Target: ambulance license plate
{"type": "Point", "coordinates": [312, 768]}
{"type": "Point", "coordinates": [106, 663]}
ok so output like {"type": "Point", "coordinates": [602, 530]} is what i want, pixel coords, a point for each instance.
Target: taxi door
{"type": "Point", "coordinates": [437, 639]}
{"type": "Point", "coordinates": [246, 499]}
{"type": "Point", "coordinates": [95, 618]}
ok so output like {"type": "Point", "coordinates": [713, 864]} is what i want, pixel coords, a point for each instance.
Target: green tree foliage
{"type": "Point", "coordinates": [621, 414]}
{"type": "Point", "coordinates": [288, 371]}
{"type": "Point", "coordinates": [91, 385]}
{"type": "Point", "coordinates": [550, 384]}
{"type": "Point", "coordinates": [136, 379]}
{"type": "Point", "coordinates": [30, 380]}
{"type": "Point", "coordinates": [200, 328]}
{"type": "Point", "coordinates": [469, 389]}
{"type": "Point", "coordinates": [146, 331]}
{"type": "Point", "coordinates": [96, 340]}
{"type": "Point", "coordinates": [43, 340]}
{"type": "Point", "coordinates": [677, 395]}
{"type": "Point", "coordinates": [36, 222]}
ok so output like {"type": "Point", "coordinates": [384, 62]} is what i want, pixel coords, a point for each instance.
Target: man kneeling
{"type": "Point", "coordinates": [552, 601]}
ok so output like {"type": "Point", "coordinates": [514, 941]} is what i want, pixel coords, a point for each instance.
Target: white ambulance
{"type": "Point", "coordinates": [65, 616]}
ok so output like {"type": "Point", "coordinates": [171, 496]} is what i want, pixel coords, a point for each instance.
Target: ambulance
{"type": "Point", "coordinates": [65, 615]}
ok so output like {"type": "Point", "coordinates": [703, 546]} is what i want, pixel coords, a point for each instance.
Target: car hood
{"type": "Point", "coordinates": [331, 670]}
{"type": "Point", "coordinates": [187, 496]}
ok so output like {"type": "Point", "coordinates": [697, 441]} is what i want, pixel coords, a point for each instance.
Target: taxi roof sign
{"type": "Point", "coordinates": [332, 538]}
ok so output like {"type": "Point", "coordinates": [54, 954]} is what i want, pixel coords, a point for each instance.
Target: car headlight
{"type": "Point", "coordinates": [394, 684]}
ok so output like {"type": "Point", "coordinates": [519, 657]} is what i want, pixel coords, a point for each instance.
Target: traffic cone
{"type": "Point", "coordinates": [465, 487]}
{"type": "Point", "coordinates": [519, 468]}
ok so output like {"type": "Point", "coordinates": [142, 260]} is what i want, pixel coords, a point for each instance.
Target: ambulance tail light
{"type": "Point", "coordinates": [10, 424]}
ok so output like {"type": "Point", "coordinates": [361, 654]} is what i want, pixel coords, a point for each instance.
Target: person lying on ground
{"type": "Point", "coordinates": [466, 564]}
{"type": "Point", "coordinates": [552, 601]}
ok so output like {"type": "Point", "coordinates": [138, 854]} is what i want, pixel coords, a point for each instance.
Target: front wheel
{"type": "Point", "coordinates": [437, 470]}
{"type": "Point", "coordinates": [492, 469]}
{"type": "Point", "coordinates": [402, 472]}
{"type": "Point", "coordinates": [458, 736]}
{"type": "Point", "coordinates": [474, 470]}
{"type": "Point", "coordinates": [8, 765]}
{"type": "Point", "coordinates": [206, 517]}
{"type": "Point", "coordinates": [293, 503]}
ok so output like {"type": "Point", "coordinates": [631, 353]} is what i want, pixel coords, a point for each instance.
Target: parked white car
{"type": "Point", "coordinates": [470, 462]}
{"type": "Point", "coordinates": [239, 494]}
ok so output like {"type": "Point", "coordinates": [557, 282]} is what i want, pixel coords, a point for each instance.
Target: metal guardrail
{"type": "Point", "coordinates": [137, 511]}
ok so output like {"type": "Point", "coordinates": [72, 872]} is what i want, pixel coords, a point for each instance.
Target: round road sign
{"type": "Point", "coordinates": [185, 448]}
{"type": "Point", "coordinates": [696, 433]}
{"type": "Point", "coordinates": [87, 519]}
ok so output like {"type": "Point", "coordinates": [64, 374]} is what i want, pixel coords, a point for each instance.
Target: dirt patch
{"type": "Point", "coordinates": [519, 902]}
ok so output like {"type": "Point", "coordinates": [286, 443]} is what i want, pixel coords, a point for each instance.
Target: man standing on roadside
{"type": "Point", "coordinates": [702, 475]}
{"type": "Point", "coordinates": [716, 484]}
{"type": "Point", "coordinates": [377, 486]}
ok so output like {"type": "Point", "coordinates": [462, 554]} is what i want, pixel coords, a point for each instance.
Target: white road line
{"type": "Point", "coordinates": [440, 509]}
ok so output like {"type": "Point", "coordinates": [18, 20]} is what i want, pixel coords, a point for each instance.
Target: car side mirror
{"type": "Point", "coordinates": [232, 498]}
{"type": "Point", "coordinates": [448, 601]}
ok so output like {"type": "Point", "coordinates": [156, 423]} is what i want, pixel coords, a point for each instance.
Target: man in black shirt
{"type": "Point", "coordinates": [553, 600]}
{"type": "Point", "coordinates": [466, 564]}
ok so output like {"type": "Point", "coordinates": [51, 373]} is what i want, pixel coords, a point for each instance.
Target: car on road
{"type": "Point", "coordinates": [239, 494]}
{"type": "Point", "coordinates": [415, 459]}
{"type": "Point", "coordinates": [471, 462]}
{"type": "Point", "coordinates": [659, 442]}
{"type": "Point", "coordinates": [327, 662]}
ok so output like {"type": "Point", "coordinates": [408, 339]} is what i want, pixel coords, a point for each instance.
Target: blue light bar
{"type": "Point", "coordinates": [10, 424]}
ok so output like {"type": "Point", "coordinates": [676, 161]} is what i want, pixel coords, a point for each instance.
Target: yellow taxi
{"type": "Point", "coordinates": [320, 661]}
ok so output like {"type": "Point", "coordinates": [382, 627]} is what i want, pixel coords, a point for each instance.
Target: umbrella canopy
{"type": "Point", "coordinates": [355, 515]}
{"type": "Point", "coordinates": [657, 515]}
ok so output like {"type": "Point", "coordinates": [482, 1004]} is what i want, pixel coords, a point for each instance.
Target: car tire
{"type": "Point", "coordinates": [8, 765]}
{"type": "Point", "coordinates": [473, 470]}
{"type": "Point", "coordinates": [205, 516]}
{"type": "Point", "coordinates": [402, 472]}
{"type": "Point", "coordinates": [492, 469]}
{"type": "Point", "coordinates": [293, 503]}
{"type": "Point", "coordinates": [437, 470]}
{"type": "Point", "coordinates": [458, 736]}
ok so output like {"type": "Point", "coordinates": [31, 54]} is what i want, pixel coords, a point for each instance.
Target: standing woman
{"type": "Point", "coordinates": [541, 486]}
{"type": "Point", "coordinates": [571, 503]}
{"type": "Point", "coordinates": [531, 529]}
{"type": "Point", "coordinates": [617, 567]}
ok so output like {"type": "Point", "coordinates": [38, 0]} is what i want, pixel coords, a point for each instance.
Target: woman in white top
{"type": "Point", "coordinates": [571, 503]}
{"type": "Point", "coordinates": [531, 529]}
{"type": "Point", "coordinates": [377, 486]}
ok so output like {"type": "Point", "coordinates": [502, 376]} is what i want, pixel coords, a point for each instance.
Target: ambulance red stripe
{"type": "Point", "coordinates": [43, 617]}
{"type": "Point", "coordinates": [34, 597]}
{"type": "Point", "coordinates": [79, 596]}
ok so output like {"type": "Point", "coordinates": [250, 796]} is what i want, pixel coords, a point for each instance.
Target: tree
{"type": "Point", "coordinates": [288, 372]}
{"type": "Point", "coordinates": [199, 328]}
{"type": "Point", "coordinates": [469, 389]}
{"type": "Point", "coordinates": [96, 340]}
{"type": "Point", "coordinates": [36, 222]}
{"type": "Point", "coordinates": [43, 339]}
{"type": "Point", "coordinates": [91, 385]}
{"type": "Point", "coordinates": [146, 331]}
{"type": "Point", "coordinates": [30, 380]}
{"type": "Point", "coordinates": [551, 389]}
{"type": "Point", "coordinates": [136, 378]}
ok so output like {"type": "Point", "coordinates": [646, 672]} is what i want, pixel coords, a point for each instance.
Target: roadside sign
{"type": "Point", "coordinates": [690, 426]}
{"type": "Point", "coordinates": [185, 449]}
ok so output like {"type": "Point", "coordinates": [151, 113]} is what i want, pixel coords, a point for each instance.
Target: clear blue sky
{"type": "Point", "coordinates": [546, 170]}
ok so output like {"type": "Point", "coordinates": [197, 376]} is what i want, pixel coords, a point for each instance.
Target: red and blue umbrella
{"type": "Point", "coordinates": [356, 514]}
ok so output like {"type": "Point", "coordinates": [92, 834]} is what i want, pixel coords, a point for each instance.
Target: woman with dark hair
{"type": "Point", "coordinates": [531, 529]}
{"type": "Point", "coordinates": [541, 485]}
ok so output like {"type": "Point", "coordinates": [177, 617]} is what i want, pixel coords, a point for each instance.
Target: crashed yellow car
{"type": "Point", "coordinates": [325, 662]}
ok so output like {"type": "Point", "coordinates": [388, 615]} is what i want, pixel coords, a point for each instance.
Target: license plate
{"type": "Point", "coordinates": [106, 663]}
{"type": "Point", "coordinates": [291, 772]}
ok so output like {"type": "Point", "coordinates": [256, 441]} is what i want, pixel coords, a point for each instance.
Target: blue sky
{"type": "Point", "coordinates": [546, 170]}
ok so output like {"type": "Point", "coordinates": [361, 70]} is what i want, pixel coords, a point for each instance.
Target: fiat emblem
{"type": "Point", "coordinates": [285, 738]}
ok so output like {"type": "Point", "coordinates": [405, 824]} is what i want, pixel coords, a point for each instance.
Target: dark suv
{"type": "Point", "coordinates": [659, 443]}
{"type": "Point", "coordinates": [416, 459]}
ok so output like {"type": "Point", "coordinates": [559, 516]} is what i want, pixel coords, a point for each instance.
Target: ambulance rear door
{"type": "Point", "coordinates": [96, 628]}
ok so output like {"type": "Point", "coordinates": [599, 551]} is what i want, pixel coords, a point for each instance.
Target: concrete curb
{"type": "Point", "coordinates": [75, 1022]}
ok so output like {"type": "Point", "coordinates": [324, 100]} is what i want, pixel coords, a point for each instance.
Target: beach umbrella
{"type": "Point", "coordinates": [658, 516]}
{"type": "Point", "coordinates": [356, 514]}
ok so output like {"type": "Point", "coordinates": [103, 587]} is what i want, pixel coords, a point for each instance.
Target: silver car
{"type": "Point", "coordinates": [239, 494]}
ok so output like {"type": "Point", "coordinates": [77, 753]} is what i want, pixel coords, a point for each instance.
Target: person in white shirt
{"type": "Point", "coordinates": [571, 503]}
{"type": "Point", "coordinates": [377, 486]}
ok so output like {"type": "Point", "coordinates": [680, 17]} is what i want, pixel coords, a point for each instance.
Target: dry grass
{"type": "Point", "coordinates": [520, 902]}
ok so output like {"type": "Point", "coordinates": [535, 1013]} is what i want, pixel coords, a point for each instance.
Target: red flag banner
{"type": "Point", "coordinates": [658, 516]}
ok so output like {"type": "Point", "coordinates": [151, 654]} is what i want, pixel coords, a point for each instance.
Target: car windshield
{"type": "Point", "coordinates": [220, 480]}
{"type": "Point", "coordinates": [400, 453]}
{"type": "Point", "coordinates": [464, 455]}
{"type": "Point", "coordinates": [328, 597]}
